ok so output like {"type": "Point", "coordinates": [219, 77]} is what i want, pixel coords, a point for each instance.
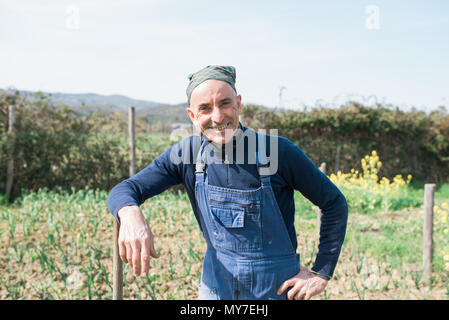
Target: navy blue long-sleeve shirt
{"type": "Point", "coordinates": [295, 172]}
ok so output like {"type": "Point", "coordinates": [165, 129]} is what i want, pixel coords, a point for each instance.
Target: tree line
{"type": "Point", "coordinates": [412, 142]}
{"type": "Point", "coordinates": [54, 146]}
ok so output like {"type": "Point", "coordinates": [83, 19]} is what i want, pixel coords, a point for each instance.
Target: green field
{"type": "Point", "coordinates": [58, 245]}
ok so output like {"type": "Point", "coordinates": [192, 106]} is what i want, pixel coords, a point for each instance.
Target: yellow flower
{"type": "Point", "coordinates": [374, 153]}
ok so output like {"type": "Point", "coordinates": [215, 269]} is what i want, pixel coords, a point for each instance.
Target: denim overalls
{"type": "Point", "coordinates": [249, 253]}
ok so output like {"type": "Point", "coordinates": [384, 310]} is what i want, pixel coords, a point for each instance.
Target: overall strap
{"type": "Point", "coordinates": [200, 164]}
{"type": "Point", "coordinates": [261, 159]}
{"type": "Point", "coordinates": [200, 192]}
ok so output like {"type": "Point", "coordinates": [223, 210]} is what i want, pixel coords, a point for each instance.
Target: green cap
{"type": "Point", "coordinates": [224, 73]}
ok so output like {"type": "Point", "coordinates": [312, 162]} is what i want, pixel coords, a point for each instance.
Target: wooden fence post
{"type": "Point", "coordinates": [132, 140]}
{"type": "Point", "coordinates": [429, 192]}
{"type": "Point", "coordinates": [11, 142]}
{"type": "Point", "coordinates": [117, 291]}
{"type": "Point", "coordinates": [318, 216]}
{"type": "Point", "coordinates": [117, 267]}
{"type": "Point", "coordinates": [337, 158]}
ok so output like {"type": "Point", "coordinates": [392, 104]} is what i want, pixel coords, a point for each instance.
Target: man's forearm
{"type": "Point", "coordinates": [150, 181]}
{"type": "Point", "coordinates": [121, 196]}
{"type": "Point", "coordinates": [332, 235]}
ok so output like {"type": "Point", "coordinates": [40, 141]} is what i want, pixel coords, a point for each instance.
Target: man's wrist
{"type": "Point", "coordinates": [321, 275]}
{"type": "Point", "coordinates": [126, 209]}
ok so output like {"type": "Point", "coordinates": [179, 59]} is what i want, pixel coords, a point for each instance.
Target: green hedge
{"type": "Point", "coordinates": [56, 147]}
{"type": "Point", "coordinates": [407, 142]}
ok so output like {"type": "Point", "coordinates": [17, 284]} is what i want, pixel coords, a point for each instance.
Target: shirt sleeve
{"type": "Point", "coordinates": [302, 174]}
{"type": "Point", "coordinates": [151, 181]}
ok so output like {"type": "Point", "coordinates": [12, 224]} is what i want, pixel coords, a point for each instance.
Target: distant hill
{"type": "Point", "coordinates": [84, 103]}
{"type": "Point", "coordinates": [107, 102]}
{"type": "Point", "coordinates": [113, 102]}
{"type": "Point", "coordinates": [167, 113]}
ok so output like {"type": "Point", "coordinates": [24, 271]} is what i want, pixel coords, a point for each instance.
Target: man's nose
{"type": "Point", "coordinates": [217, 115]}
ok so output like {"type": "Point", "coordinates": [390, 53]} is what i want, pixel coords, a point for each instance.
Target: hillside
{"type": "Point", "coordinates": [85, 103]}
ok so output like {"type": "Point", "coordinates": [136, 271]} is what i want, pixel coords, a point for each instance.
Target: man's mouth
{"type": "Point", "coordinates": [222, 127]}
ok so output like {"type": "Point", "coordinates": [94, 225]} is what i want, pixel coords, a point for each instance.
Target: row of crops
{"type": "Point", "coordinates": [57, 244]}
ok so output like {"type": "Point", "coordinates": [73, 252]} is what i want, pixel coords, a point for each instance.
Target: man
{"type": "Point", "coordinates": [242, 199]}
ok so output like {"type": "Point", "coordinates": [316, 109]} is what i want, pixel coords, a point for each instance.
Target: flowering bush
{"type": "Point", "coordinates": [366, 192]}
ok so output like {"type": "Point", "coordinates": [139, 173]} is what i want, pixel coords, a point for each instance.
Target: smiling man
{"type": "Point", "coordinates": [245, 212]}
{"type": "Point", "coordinates": [214, 104]}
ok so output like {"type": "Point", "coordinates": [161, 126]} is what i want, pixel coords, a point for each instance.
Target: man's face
{"type": "Point", "coordinates": [215, 109]}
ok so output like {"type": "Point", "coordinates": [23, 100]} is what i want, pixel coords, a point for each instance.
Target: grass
{"type": "Point", "coordinates": [442, 192]}
{"type": "Point", "coordinates": [58, 245]}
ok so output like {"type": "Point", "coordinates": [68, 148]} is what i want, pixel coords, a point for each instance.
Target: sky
{"type": "Point", "coordinates": [326, 51]}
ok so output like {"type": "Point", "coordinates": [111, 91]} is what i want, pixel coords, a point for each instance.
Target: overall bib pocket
{"type": "Point", "coordinates": [236, 226]}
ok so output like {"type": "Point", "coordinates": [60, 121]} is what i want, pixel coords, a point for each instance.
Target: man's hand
{"type": "Point", "coordinates": [305, 285]}
{"type": "Point", "coordinates": [135, 240]}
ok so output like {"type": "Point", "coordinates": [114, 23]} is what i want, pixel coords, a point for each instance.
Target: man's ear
{"type": "Point", "coordinates": [239, 103]}
{"type": "Point", "coordinates": [191, 114]}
